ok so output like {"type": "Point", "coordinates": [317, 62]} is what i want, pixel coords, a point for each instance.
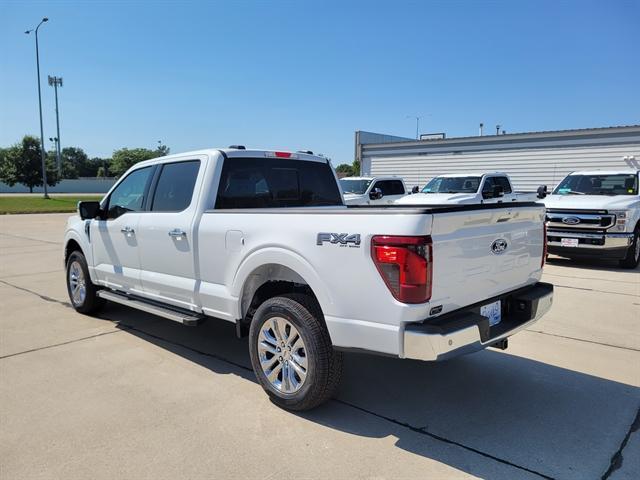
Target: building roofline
{"type": "Point", "coordinates": [512, 137]}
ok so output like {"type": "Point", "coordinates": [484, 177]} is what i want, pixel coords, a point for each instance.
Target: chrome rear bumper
{"type": "Point", "coordinates": [466, 331]}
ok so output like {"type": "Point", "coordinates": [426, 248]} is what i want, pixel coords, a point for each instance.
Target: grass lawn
{"type": "Point", "coordinates": [37, 204]}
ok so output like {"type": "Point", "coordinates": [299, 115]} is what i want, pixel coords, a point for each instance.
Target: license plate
{"type": "Point", "coordinates": [493, 312]}
{"type": "Point", "coordinates": [569, 242]}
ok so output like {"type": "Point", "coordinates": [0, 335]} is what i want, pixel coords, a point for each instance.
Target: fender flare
{"type": "Point", "coordinates": [288, 259]}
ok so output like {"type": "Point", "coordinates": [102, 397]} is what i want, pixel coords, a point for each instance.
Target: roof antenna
{"type": "Point", "coordinates": [481, 128]}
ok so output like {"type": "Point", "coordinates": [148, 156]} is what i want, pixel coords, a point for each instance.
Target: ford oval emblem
{"type": "Point", "coordinates": [570, 220]}
{"type": "Point", "coordinates": [499, 246]}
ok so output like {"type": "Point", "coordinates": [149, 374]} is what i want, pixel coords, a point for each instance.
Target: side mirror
{"type": "Point", "coordinates": [88, 210]}
{"type": "Point", "coordinates": [375, 194]}
{"type": "Point", "coordinates": [415, 189]}
{"type": "Point", "coordinates": [542, 191]}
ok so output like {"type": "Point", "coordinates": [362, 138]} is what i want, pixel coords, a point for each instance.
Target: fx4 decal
{"type": "Point", "coordinates": [342, 239]}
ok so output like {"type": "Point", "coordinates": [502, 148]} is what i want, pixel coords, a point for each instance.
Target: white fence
{"type": "Point", "coordinates": [76, 185]}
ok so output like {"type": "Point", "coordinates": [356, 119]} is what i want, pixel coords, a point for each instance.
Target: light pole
{"type": "Point", "coordinates": [417, 124]}
{"type": "Point", "coordinates": [55, 82]}
{"type": "Point", "coordinates": [44, 170]}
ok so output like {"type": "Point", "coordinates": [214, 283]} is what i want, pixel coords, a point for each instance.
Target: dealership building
{"type": "Point", "coordinates": [531, 158]}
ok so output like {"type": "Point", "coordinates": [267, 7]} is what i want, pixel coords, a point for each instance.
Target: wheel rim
{"type": "Point", "coordinates": [637, 252]}
{"type": "Point", "coordinates": [77, 284]}
{"type": "Point", "coordinates": [282, 355]}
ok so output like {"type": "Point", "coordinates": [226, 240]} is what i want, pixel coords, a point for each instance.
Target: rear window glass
{"type": "Point", "coordinates": [175, 186]}
{"type": "Point", "coordinates": [274, 182]}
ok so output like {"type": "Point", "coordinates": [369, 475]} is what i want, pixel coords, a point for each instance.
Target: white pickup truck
{"type": "Point", "coordinates": [596, 214]}
{"type": "Point", "coordinates": [470, 188]}
{"type": "Point", "coordinates": [263, 239]}
{"type": "Point", "coordinates": [372, 190]}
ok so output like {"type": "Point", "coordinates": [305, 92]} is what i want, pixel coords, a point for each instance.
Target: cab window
{"type": "Point", "coordinates": [128, 196]}
{"type": "Point", "coordinates": [504, 183]}
{"type": "Point", "coordinates": [174, 189]}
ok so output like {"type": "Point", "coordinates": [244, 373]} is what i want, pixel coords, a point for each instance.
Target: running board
{"type": "Point", "coordinates": [185, 317]}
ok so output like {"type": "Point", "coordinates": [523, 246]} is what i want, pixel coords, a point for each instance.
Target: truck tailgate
{"type": "Point", "coordinates": [479, 254]}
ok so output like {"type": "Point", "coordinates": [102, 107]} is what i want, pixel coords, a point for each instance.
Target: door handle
{"type": "Point", "coordinates": [177, 233]}
{"type": "Point", "coordinates": [127, 230]}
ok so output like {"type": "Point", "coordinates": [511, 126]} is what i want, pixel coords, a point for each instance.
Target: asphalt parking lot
{"type": "Point", "coordinates": [129, 395]}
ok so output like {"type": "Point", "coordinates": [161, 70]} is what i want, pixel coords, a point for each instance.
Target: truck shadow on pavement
{"type": "Point", "coordinates": [589, 264]}
{"type": "Point", "coordinates": [489, 414]}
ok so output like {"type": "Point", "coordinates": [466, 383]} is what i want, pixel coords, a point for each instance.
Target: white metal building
{"type": "Point", "coordinates": [530, 159]}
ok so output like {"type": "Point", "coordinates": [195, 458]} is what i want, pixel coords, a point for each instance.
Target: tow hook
{"type": "Point", "coordinates": [501, 344]}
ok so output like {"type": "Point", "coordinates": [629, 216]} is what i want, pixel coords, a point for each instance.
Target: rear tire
{"type": "Point", "coordinates": [632, 258]}
{"type": "Point", "coordinates": [292, 354]}
{"type": "Point", "coordinates": [82, 293]}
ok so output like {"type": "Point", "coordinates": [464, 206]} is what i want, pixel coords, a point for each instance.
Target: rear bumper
{"type": "Point", "coordinates": [466, 331]}
{"type": "Point", "coordinates": [610, 245]}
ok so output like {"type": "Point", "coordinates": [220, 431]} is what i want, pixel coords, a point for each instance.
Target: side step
{"type": "Point", "coordinates": [177, 315]}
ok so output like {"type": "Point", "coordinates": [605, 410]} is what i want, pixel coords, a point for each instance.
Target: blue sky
{"type": "Point", "coordinates": [306, 75]}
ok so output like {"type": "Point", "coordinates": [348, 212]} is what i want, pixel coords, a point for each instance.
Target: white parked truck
{"type": "Point", "coordinates": [470, 188]}
{"type": "Point", "coordinates": [596, 214]}
{"type": "Point", "coordinates": [263, 239]}
{"type": "Point", "coordinates": [372, 190]}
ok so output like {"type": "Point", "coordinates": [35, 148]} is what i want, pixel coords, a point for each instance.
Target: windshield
{"type": "Point", "coordinates": [354, 186]}
{"type": "Point", "coordinates": [614, 184]}
{"type": "Point", "coordinates": [452, 185]}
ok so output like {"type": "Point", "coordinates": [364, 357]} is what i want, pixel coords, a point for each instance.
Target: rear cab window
{"type": "Point", "coordinates": [274, 183]}
{"type": "Point", "coordinates": [174, 189]}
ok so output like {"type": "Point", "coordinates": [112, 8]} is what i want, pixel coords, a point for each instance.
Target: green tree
{"type": "Point", "coordinates": [21, 163]}
{"type": "Point", "coordinates": [356, 167]}
{"type": "Point", "coordinates": [162, 150]}
{"type": "Point", "coordinates": [101, 173]}
{"type": "Point", "coordinates": [124, 158]}
{"type": "Point", "coordinates": [345, 170]}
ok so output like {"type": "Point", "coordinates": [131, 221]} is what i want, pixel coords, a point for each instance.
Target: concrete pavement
{"type": "Point", "coordinates": [129, 395]}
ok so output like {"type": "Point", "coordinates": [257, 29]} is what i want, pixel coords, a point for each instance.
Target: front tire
{"type": "Point", "coordinates": [292, 354]}
{"type": "Point", "coordinates": [632, 258]}
{"type": "Point", "coordinates": [82, 293]}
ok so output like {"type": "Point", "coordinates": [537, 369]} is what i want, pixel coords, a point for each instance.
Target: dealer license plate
{"type": "Point", "coordinates": [493, 312]}
{"type": "Point", "coordinates": [569, 242]}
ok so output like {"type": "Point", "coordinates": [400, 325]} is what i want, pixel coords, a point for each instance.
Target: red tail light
{"type": "Point", "coordinates": [405, 265]}
{"type": "Point", "coordinates": [283, 154]}
{"type": "Point", "coordinates": [544, 248]}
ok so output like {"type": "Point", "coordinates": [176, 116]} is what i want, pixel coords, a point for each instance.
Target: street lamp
{"type": "Point", "coordinates": [417, 124]}
{"type": "Point", "coordinates": [44, 170]}
{"type": "Point", "coordinates": [55, 82]}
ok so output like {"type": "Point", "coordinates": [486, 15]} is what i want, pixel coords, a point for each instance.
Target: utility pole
{"type": "Point", "coordinates": [55, 82]}
{"type": "Point", "coordinates": [44, 169]}
{"type": "Point", "coordinates": [417, 124]}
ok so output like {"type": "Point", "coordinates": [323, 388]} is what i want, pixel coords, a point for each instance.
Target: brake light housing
{"type": "Point", "coordinates": [405, 263]}
{"type": "Point", "coordinates": [281, 155]}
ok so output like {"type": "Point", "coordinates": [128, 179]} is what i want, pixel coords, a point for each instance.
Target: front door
{"type": "Point", "coordinates": [115, 239]}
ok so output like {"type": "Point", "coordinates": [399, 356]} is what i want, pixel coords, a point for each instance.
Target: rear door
{"type": "Point", "coordinates": [166, 235]}
{"type": "Point", "coordinates": [479, 254]}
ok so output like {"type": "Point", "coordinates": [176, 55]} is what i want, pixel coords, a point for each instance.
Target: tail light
{"type": "Point", "coordinates": [544, 248]}
{"type": "Point", "coordinates": [406, 266]}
